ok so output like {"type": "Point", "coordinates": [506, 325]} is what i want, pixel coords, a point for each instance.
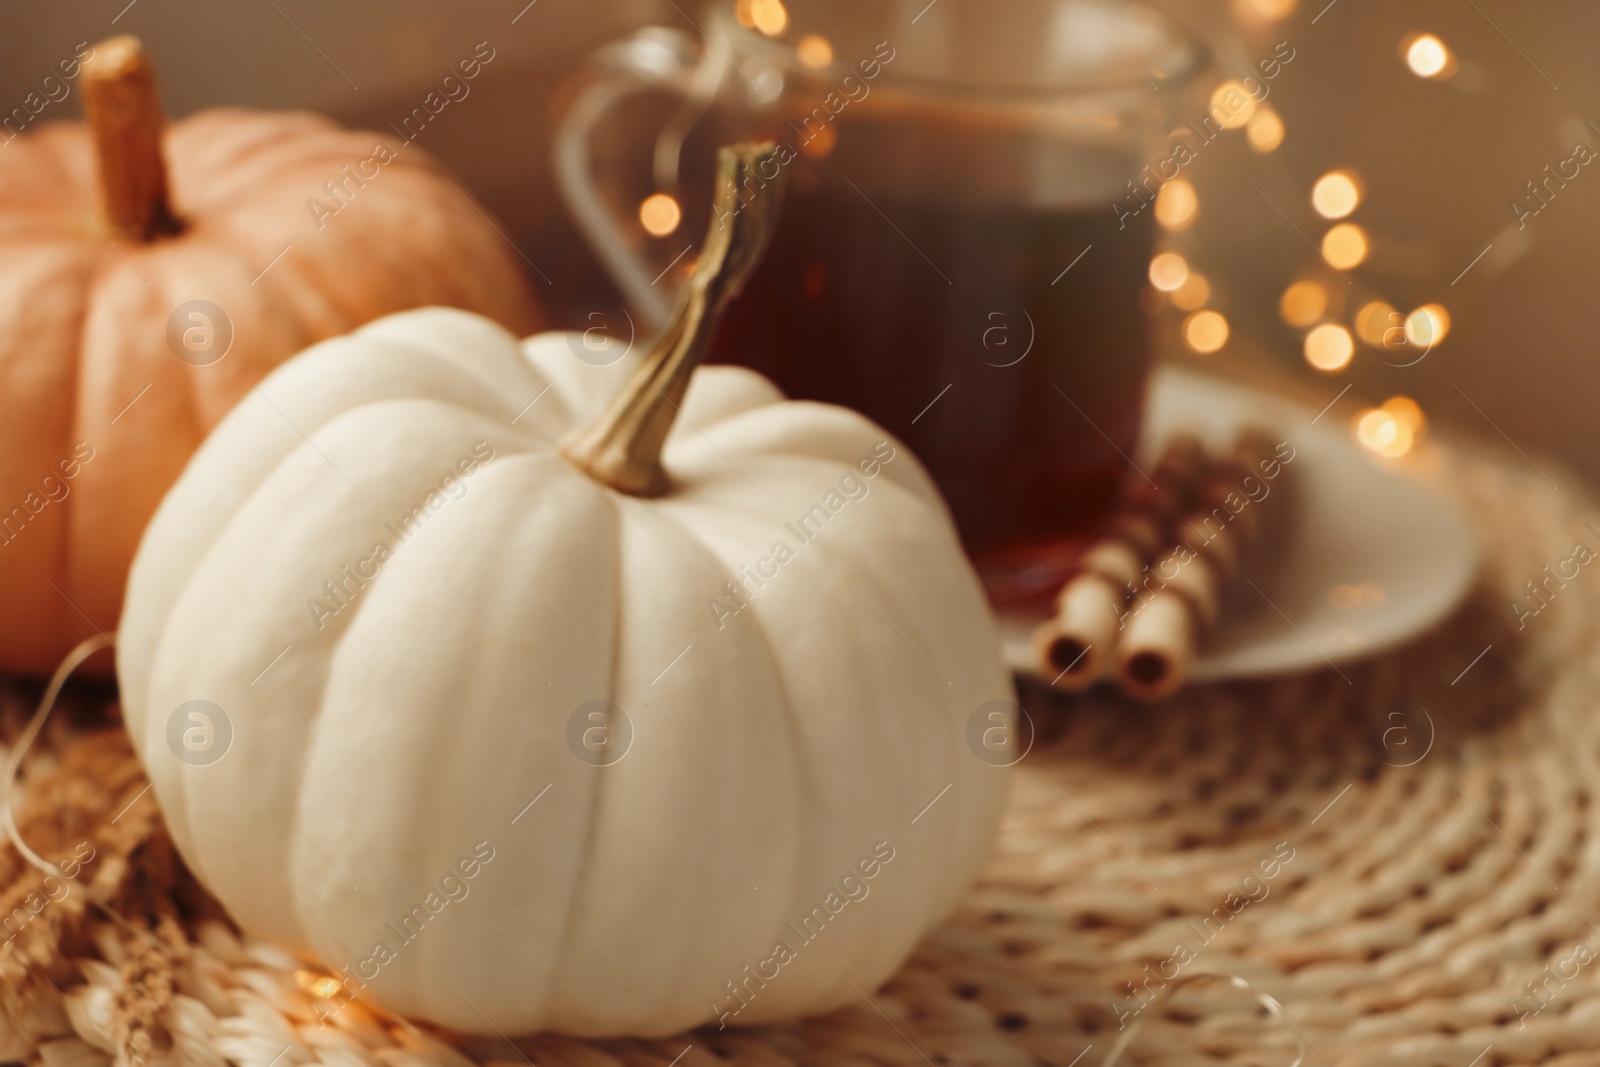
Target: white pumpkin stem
{"type": "Point", "coordinates": [124, 112]}
{"type": "Point", "coordinates": [622, 449]}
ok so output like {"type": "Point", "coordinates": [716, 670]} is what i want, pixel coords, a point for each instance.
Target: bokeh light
{"type": "Point", "coordinates": [1329, 347]}
{"type": "Point", "coordinates": [1206, 331]}
{"type": "Point", "coordinates": [769, 16]}
{"type": "Point", "coordinates": [1405, 409]}
{"type": "Point", "coordinates": [1168, 271]}
{"type": "Point", "coordinates": [318, 985]}
{"type": "Point", "coordinates": [819, 144]}
{"type": "Point", "coordinates": [1390, 430]}
{"type": "Point", "coordinates": [814, 51]}
{"type": "Point", "coordinates": [1428, 57]}
{"type": "Point", "coordinates": [1374, 321]}
{"type": "Point", "coordinates": [1267, 9]}
{"type": "Point", "coordinates": [1193, 293]}
{"type": "Point", "coordinates": [1176, 204]}
{"type": "Point", "coordinates": [659, 214]}
{"type": "Point", "coordinates": [1336, 194]}
{"type": "Point", "coordinates": [1378, 430]}
{"type": "Point", "coordinates": [1232, 105]}
{"type": "Point", "coordinates": [1303, 303]}
{"type": "Point", "coordinates": [1265, 130]}
{"type": "Point", "coordinates": [1428, 325]}
{"type": "Point", "coordinates": [1345, 246]}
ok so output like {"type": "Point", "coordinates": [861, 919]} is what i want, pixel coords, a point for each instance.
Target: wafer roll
{"type": "Point", "coordinates": [1216, 539]}
{"type": "Point", "coordinates": [1176, 543]}
{"type": "Point", "coordinates": [1170, 486]}
{"type": "Point", "coordinates": [1161, 635]}
{"type": "Point", "coordinates": [1117, 560]}
{"type": "Point", "coordinates": [1076, 645]}
{"type": "Point", "coordinates": [1157, 647]}
{"type": "Point", "coordinates": [1140, 530]}
{"type": "Point", "coordinates": [1183, 462]}
{"type": "Point", "coordinates": [1195, 577]}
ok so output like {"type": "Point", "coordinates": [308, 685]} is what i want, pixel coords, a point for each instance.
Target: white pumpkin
{"type": "Point", "coordinates": [405, 600]}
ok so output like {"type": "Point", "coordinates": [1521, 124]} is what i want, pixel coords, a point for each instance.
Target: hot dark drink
{"type": "Point", "coordinates": [1002, 340]}
{"type": "Point", "coordinates": [957, 256]}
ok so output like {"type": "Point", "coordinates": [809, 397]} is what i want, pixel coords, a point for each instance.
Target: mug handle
{"type": "Point", "coordinates": [655, 59]}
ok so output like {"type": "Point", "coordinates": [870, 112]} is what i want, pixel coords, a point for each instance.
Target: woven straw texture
{"type": "Point", "coordinates": [1404, 855]}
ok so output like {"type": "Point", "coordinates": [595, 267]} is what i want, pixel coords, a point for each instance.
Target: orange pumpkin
{"type": "Point", "coordinates": [131, 320]}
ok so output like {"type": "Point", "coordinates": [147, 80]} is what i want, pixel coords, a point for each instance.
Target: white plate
{"type": "Point", "coordinates": [1371, 558]}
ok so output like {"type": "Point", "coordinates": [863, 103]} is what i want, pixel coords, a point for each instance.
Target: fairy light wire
{"type": "Point", "coordinates": [1265, 1000]}
{"type": "Point", "coordinates": [19, 751]}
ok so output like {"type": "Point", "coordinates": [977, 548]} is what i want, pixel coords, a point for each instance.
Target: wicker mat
{"type": "Point", "coordinates": [1404, 855]}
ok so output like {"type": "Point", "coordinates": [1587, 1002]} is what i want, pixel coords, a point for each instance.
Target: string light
{"type": "Point", "coordinates": [1329, 347]}
{"type": "Point", "coordinates": [659, 214]}
{"type": "Point", "coordinates": [1176, 205]}
{"type": "Point", "coordinates": [1193, 293]}
{"type": "Point", "coordinates": [1345, 246]}
{"type": "Point", "coordinates": [1265, 130]}
{"type": "Point", "coordinates": [1232, 105]}
{"type": "Point", "coordinates": [821, 142]}
{"type": "Point", "coordinates": [1427, 325]}
{"type": "Point", "coordinates": [1168, 271]}
{"type": "Point", "coordinates": [1374, 321]}
{"type": "Point", "coordinates": [814, 51]}
{"type": "Point", "coordinates": [1392, 429]}
{"type": "Point", "coordinates": [318, 985]}
{"type": "Point", "coordinates": [1303, 303]}
{"type": "Point", "coordinates": [1428, 57]}
{"type": "Point", "coordinates": [1267, 9]}
{"type": "Point", "coordinates": [1377, 429]}
{"type": "Point", "coordinates": [1206, 331]}
{"type": "Point", "coordinates": [1406, 410]}
{"type": "Point", "coordinates": [1336, 194]}
{"type": "Point", "coordinates": [769, 16]}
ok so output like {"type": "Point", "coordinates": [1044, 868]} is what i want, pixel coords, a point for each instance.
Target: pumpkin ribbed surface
{"type": "Point", "coordinates": [89, 380]}
{"type": "Point", "coordinates": [410, 607]}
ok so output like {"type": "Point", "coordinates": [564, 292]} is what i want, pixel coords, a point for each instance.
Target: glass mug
{"type": "Point", "coordinates": [961, 250]}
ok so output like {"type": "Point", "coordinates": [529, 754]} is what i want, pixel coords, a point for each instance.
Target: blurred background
{"type": "Point", "coordinates": [1420, 126]}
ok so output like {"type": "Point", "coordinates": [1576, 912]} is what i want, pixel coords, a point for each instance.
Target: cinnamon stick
{"type": "Point", "coordinates": [124, 113]}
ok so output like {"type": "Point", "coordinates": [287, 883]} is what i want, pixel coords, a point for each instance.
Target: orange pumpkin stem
{"type": "Point", "coordinates": [124, 111]}
{"type": "Point", "coordinates": [623, 447]}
